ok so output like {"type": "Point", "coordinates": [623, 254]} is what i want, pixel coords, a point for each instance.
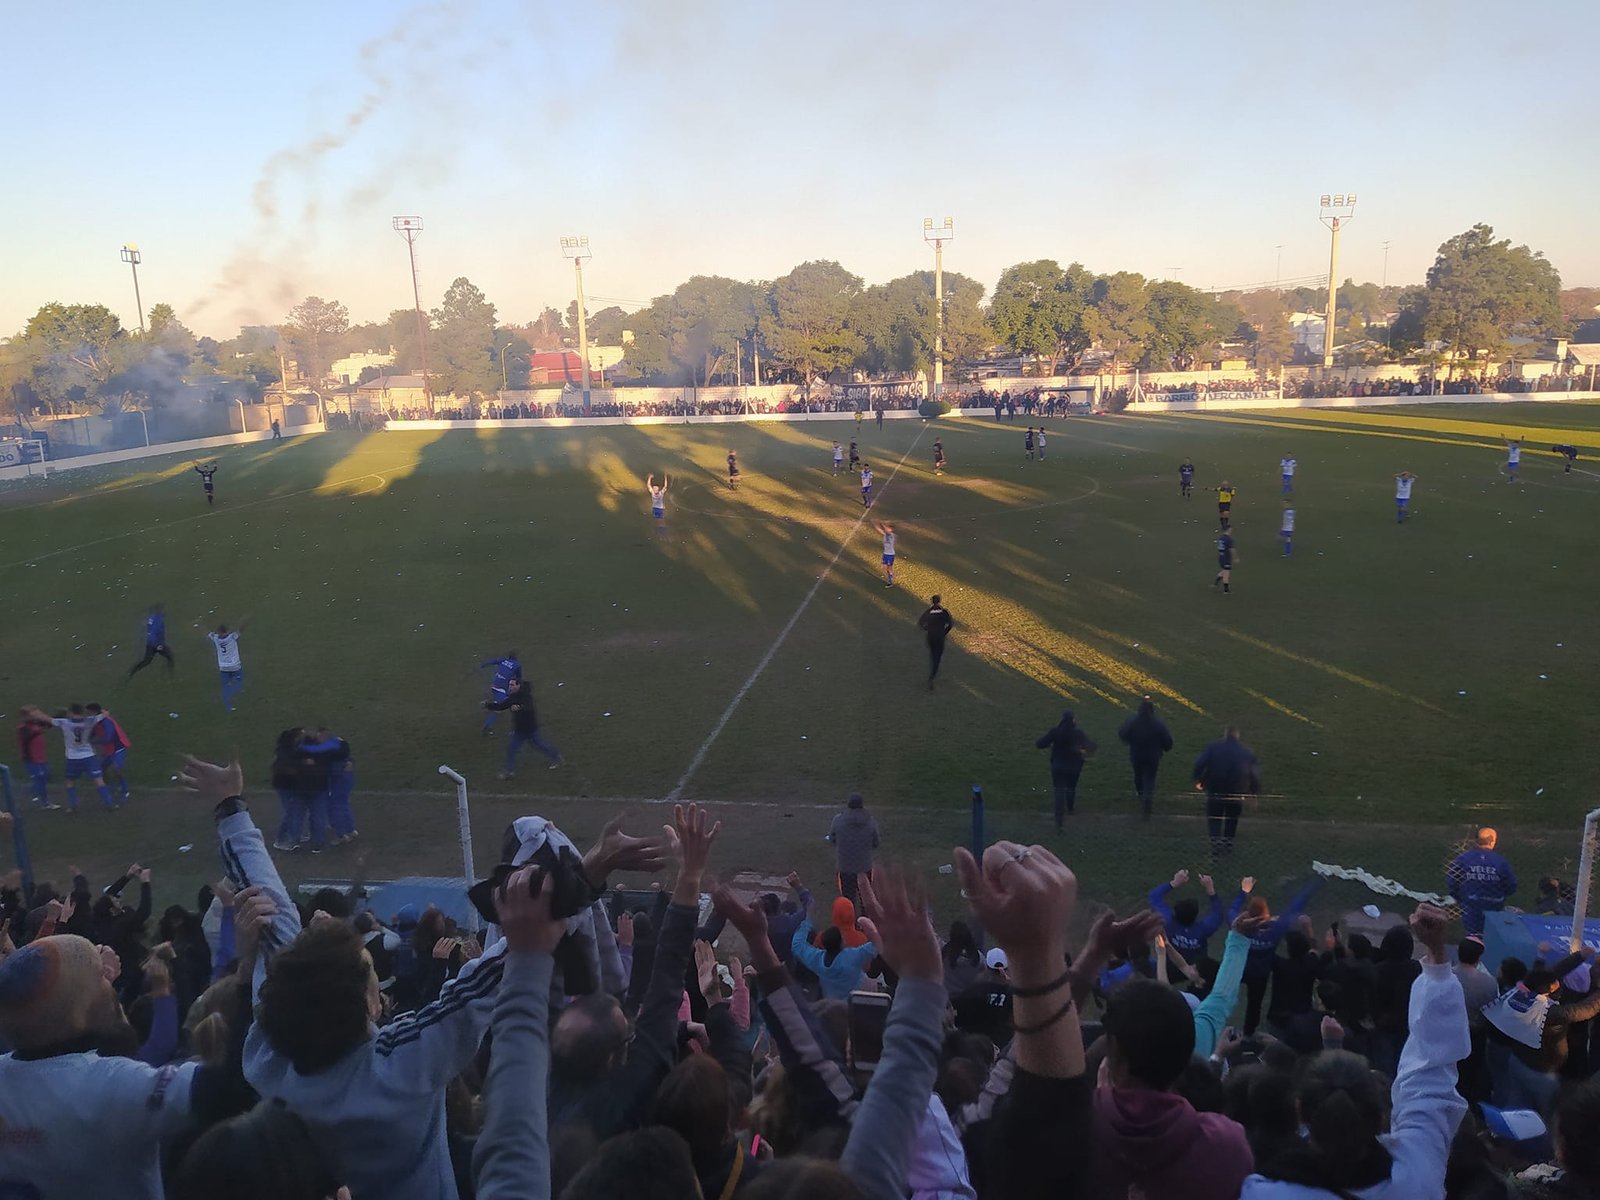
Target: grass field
{"type": "Point", "coordinates": [1399, 683]}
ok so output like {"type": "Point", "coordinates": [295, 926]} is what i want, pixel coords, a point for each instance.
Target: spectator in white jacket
{"type": "Point", "coordinates": [1346, 1153]}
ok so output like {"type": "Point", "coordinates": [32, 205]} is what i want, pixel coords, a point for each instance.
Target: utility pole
{"type": "Point", "coordinates": [131, 256]}
{"type": "Point", "coordinates": [1277, 273]}
{"type": "Point", "coordinates": [938, 235]}
{"type": "Point", "coordinates": [577, 249]}
{"type": "Point", "coordinates": [1336, 210]}
{"type": "Point", "coordinates": [1385, 265]}
{"type": "Point", "coordinates": [408, 228]}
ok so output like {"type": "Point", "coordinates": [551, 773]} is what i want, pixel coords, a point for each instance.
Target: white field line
{"type": "Point", "coordinates": [783, 634]}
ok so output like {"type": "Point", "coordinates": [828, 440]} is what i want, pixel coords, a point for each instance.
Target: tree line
{"type": "Point", "coordinates": [819, 318]}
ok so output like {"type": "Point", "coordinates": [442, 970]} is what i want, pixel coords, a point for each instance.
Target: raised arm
{"type": "Point", "coordinates": [1212, 1014]}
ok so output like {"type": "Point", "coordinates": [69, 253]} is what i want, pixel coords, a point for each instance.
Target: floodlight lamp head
{"type": "Point", "coordinates": [575, 247]}
{"type": "Point", "coordinates": [130, 254]}
{"type": "Point", "coordinates": [404, 224]}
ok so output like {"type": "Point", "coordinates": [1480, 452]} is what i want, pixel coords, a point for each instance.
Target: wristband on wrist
{"type": "Point", "coordinates": [230, 806]}
{"type": "Point", "coordinates": [1044, 989]}
{"type": "Point", "coordinates": [1047, 1022]}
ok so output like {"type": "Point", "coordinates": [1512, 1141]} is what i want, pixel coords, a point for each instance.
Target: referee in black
{"type": "Point", "coordinates": [937, 623]}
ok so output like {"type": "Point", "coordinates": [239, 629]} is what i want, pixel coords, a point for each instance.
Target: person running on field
{"type": "Point", "coordinates": [1147, 737]}
{"type": "Point", "coordinates": [936, 623]}
{"type": "Point", "coordinates": [1069, 746]}
{"type": "Point", "coordinates": [155, 641]}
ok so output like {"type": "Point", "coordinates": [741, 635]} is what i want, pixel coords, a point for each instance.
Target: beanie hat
{"type": "Point", "coordinates": [855, 800]}
{"type": "Point", "coordinates": [48, 991]}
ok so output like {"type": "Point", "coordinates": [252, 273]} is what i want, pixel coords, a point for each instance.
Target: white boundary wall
{"type": "Point", "coordinates": [111, 457]}
{"type": "Point", "coordinates": [1203, 404]}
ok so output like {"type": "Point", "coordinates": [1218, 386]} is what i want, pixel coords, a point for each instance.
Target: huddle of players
{"type": "Point", "coordinates": [96, 746]}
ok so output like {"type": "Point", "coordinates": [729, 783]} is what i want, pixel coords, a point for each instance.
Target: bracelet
{"type": "Point", "coordinates": [230, 806]}
{"type": "Point", "coordinates": [1047, 1022]}
{"type": "Point", "coordinates": [1044, 989]}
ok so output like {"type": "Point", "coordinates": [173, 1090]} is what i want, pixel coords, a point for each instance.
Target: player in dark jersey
{"type": "Point", "coordinates": [1570, 453]}
{"type": "Point", "coordinates": [855, 458]}
{"type": "Point", "coordinates": [206, 471]}
{"type": "Point", "coordinates": [1027, 443]}
{"type": "Point", "coordinates": [938, 457]}
{"type": "Point", "coordinates": [1226, 557]}
{"type": "Point", "coordinates": [155, 641]}
{"type": "Point", "coordinates": [1186, 478]}
{"type": "Point", "coordinates": [733, 469]}
{"type": "Point", "coordinates": [936, 623]}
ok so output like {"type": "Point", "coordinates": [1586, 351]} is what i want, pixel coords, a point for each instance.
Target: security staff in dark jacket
{"type": "Point", "coordinates": [1068, 746]}
{"type": "Point", "coordinates": [1147, 738]}
{"type": "Point", "coordinates": [1226, 771]}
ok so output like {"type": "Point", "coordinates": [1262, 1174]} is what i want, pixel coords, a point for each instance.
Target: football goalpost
{"type": "Point", "coordinates": [28, 454]}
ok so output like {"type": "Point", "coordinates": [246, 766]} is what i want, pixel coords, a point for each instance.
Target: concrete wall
{"type": "Point", "coordinates": [1204, 404]}
{"type": "Point", "coordinates": [120, 456]}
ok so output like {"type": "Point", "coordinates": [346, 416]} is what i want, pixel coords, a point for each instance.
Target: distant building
{"type": "Point", "coordinates": [347, 370]}
{"type": "Point", "coordinates": [1309, 331]}
{"type": "Point", "coordinates": [394, 391]}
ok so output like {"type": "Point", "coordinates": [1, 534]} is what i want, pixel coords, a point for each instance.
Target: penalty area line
{"type": "Point", "coordinates": [738, 697]}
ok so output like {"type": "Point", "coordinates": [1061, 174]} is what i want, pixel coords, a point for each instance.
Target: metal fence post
{"type": "Point", "coordinates": [464, 822]}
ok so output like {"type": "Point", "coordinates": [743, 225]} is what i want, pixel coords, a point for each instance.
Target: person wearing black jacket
{"type": "Point", "coordinates": [1226, 771]}
{"type": "Point", "coordinates": [1147, 738]}
{"type": "Point", "coordinates": [524, 727]}
{"type": "Point", "coordinates": [1068, 746]}
{"type": "Point", "coordinates": [937, 623]}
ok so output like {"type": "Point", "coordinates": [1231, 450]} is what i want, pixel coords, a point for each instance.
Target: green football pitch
{"type": "Point", "coordinates": [1401, 684]}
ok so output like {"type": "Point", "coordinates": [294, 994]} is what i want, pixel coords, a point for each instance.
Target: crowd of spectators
{"type": "Point", "coordinates": [686, 1041]}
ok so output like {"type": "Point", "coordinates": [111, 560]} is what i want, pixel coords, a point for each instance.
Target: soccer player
{"type": "Point", "coordinates": [938, 457]}
{"type": "Point", "coordinates": [1040, 439]}
{"type": "Point", "coordinates": [880, 418]}
{"type": "Point", "coordinates": [1186, 478]}
{"type": "Point", "coordinates": [77, 727]}
{"type": "Point", "coordinates": [1513, 458]}
{"type": "Point", "coordinates": [35, 754]}
{"type": "Point", "coordinates": [1027, 443]}
{"type": "Point", "coordinates": [112, 745]}
{"type": "Point", "coordinates": [1570, 453]}
{"type": "Point", "coordinates": [936, 623]}
{"type": "Point", "coordinates": [838, 458]}
{"type": "Point", "coordinates": [855, 458]}
{"type": "Point", "coordinates": [1225, 560]}
{"type": "Point", "coordinates": [1225, 495]}
{"type": "Point", "coordinates": [888, 553]}
{"type": "Point", "coordinates": [229, 668]}
{"type": "Point", "coordinates": [1402, 495]}
{"type": "Point", "coordinates": [525, 726]}
{"type": "Point", "coordinates": [155, 641]}
{"type": "Point", "coordinates": [733, 470]}
{"type": "Point", "coordinates": [1286, 528]}
{"type": "Point", "coordinates": [866, 485]}
{"type": "Point", "coordinates": [1287, 466]}
{"type": "Point", "coordinates": [206, 471]}
{"type": "Point", "coordinates": [333, 753]}
{"type": "Point", "coordinates": [658, 499]}
{"type": "Point", "coordinates": [507, 671]}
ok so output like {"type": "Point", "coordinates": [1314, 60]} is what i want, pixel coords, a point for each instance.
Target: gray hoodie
{"type": "Point", "coordinates": [854, 836]}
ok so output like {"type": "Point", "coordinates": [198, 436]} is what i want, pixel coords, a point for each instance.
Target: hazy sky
{"type": "Point", "coordinates": [256, 153]}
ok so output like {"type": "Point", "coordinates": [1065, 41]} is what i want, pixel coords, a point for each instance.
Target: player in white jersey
{"type": "Point", "coordinates": [838, 458]}
{"type": "Point", "coordinates": [229, 666]}
{"type": "Point", "coordinates": [658, 499]}
{"type": "Point", "coordinates": [77, 728]}
{"type": "Point", "coordinates": [1402, 495]}
{"type": "Point", "coordinates": [1038, 439]}
{"type": "Point", "coordinates": [866, 486]}
{"type": "Point", "coordinates": [1287, 466]}
{"type": "Point", "coordinates": [887, 530]}
{"type": "Point", "coordinates": [1286, 529]}
{"type": "Point", "coordinates": [1513, 458]}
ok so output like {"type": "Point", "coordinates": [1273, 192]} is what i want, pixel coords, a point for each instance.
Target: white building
{"type": "Point", "coordinates": [348, 369]}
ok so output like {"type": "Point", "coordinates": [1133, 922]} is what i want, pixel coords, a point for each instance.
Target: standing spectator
{"type": "Point", "coordinates": [1226, 771]}
{"type": "Point", "coordinates": [1480, 880]}
{"type": "Point", "coordinates": [1477, 985]}
{"type": "Point", "coordinates": [1147, 738]}
{"type": "Point", "coordinates": [854, 836]}
{"type": "Point", "coordinates": [1069, 746]}
{"type": "Point", "coordinates": [1396, 969]}
{"type": "Point", "coordinates": [1186, 930]}
{"type": "Point", "coordinates": [35, 754]}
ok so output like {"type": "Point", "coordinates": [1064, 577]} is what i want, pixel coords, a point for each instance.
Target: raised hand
{"type": "Point", "coordinates": [224, 891]}
{"type": "Point", "coordinates": [618, 851]}
{"type": "Point", "coordinates": [1428, 924]}
{"type": "Point", "coordinates": [898, 925]}
{"type": "Point", "coordinates": [442, 949]}
{"type": "Point", "coordinates": [1108, 935]}
{"type": "Point", "coordinates": [705, 969]}
{"type": "Point", "coordinates": [253, 911]}
{"type": "Point", "coordinates": [625, 929]}
{"type": "Point", "coordinates": [691, 833]}
{"type": "Point", "coordinates": [1180, 877]}
{"type": "Point", "coordinates": [1208, 884]}
{"type": "Point", "coordinates": [1247, 884]}
{"type": "Point", "coordinates": [524, 914]}
{"type": "Point", "coordinates": [213, 783]}
{"type": "Point", "coordinates": [1332, 1032]}
{"type": "Point", "coordinates": [751, 922]}
{"type": "Point", "coordinates": [110, 964]}
{"type": "Point", "coordinates": [157, 975]}
{"type": "Point", "coordinates": [1024, 897]}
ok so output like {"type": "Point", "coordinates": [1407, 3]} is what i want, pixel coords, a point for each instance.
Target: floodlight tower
{"type": "Point", "coordinates": [131, 256]}
{"type": "Point", "coordinates": [938, 235]}
{"type": "Point", "coordinates": [1336, 210]}
{"type": "Point", "coordinates": [408, 228]}
{"type": "Point", "coordinates": [577, 249]}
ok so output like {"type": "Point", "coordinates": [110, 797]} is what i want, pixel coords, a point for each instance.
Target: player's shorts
{"type": "Point", "coordinates": [888, 560]}
{"type": "Point", "coordinates": [1402, 501]}
{"type": "Point", "coordinates": [1286, 532]}
{"type": "Point", "coordinates": [231, 676]}
{"type": "Point", "coordinates": [658, 513]}
{"type": "Point", "coordinates": [1225, 506]}
{"type": "Point", "coordinates": [1513, 463]}
{"type": "Point", "coordinates": [79, 767]}
{"type": "Point", "coordinates": [866, 492]}
{"type": "Point", "coordinates": [1288, 479]}
{"type": "Point", "coordinates": [117, 759]}
{"type": "Point", "coordinates": [210, 487]}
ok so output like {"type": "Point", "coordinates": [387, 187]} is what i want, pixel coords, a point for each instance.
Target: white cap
{"type": "Point", "coordinates": [1513, 1124]}
{"type": "Point", "coordinates": [1371, 910]}
{"type": "Point", "coordinates": [996, 959]}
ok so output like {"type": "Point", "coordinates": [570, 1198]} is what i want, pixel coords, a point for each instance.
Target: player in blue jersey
{"type": "Point", "coordinates": [332, 753]}
{"type": "Point", "coordinates": [155, 641]}
{"type": "Point", "coordinates": [1186, 478]}
{"type": "Point", "coordinates": [507, 671]}
{"type": "Point", "coordinates": [1402, 495]}
{"type": "Point", "coordinates": [1226, 558]}
{"type": "Point", "coordinates": [111, 744]}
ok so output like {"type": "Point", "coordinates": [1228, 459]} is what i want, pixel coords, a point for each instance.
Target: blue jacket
{"type": "Point", "coordinates": [1190, 939]}
{"type": "Point", "coordinates": [1228, 768]}
{"type": "Point", "coordinates": [838, 978]}
{"type": "Point", "coordinates": [1481, 879]}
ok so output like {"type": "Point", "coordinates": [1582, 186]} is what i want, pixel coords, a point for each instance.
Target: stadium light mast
{"type": "Point", "coordinates": [131, 256]}
{"type": "Point", "coordinates": [1336, 210]}
{"type": "Point", "coordinates": [938, 235]}
{"type": "Point", "coordinates": [577, 249]}
{"type": "Point", "coordinates": [408, 228]}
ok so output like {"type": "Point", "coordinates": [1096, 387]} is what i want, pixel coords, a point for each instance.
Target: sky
{"type": "Point", "coordinates": [257, 153]}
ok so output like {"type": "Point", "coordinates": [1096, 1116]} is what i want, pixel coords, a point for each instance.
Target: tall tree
{"type": "Point", "coordinates": [1185, 325]}
{"type": "Point", "coordinates": [896, 323]}
{"type": "Point", "coordinates": [461, 358]}
{"type": "Point", "coordinates": [693, 334]}
{"type": "Point", "coordinates": [511, 351]}
{"type": "Point", "coordinates": [810, 330]}
{"type": "Point", "coordinates": [72, 350]}
{"type": "Point", "coordinates": [1038, 310]}
{"type": "Point", "coordinates": [315, 332]}
{"type": "Point", "coordinates": [402, 339]}
{"type": "Point", "coordinates": [1115, 317]}
{"type": "Point", "coordinates": [1481, 290]}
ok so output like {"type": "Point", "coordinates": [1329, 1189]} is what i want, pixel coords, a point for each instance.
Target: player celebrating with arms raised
{"type": "Point", "coordinates": [229, 668]}
{"type": "Point", "coordinates": [888, 552]}
{"type": "Point", "coordinates": [1513, 458]}
{"type": "Point", "coordinates": [838, 458]}
{"type": "Point", "coordinates": [1402, 495]}
{"type": "Point", "coordinates": [206, 471]}
{"type": "Point", "coordinates": [658, 499]}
